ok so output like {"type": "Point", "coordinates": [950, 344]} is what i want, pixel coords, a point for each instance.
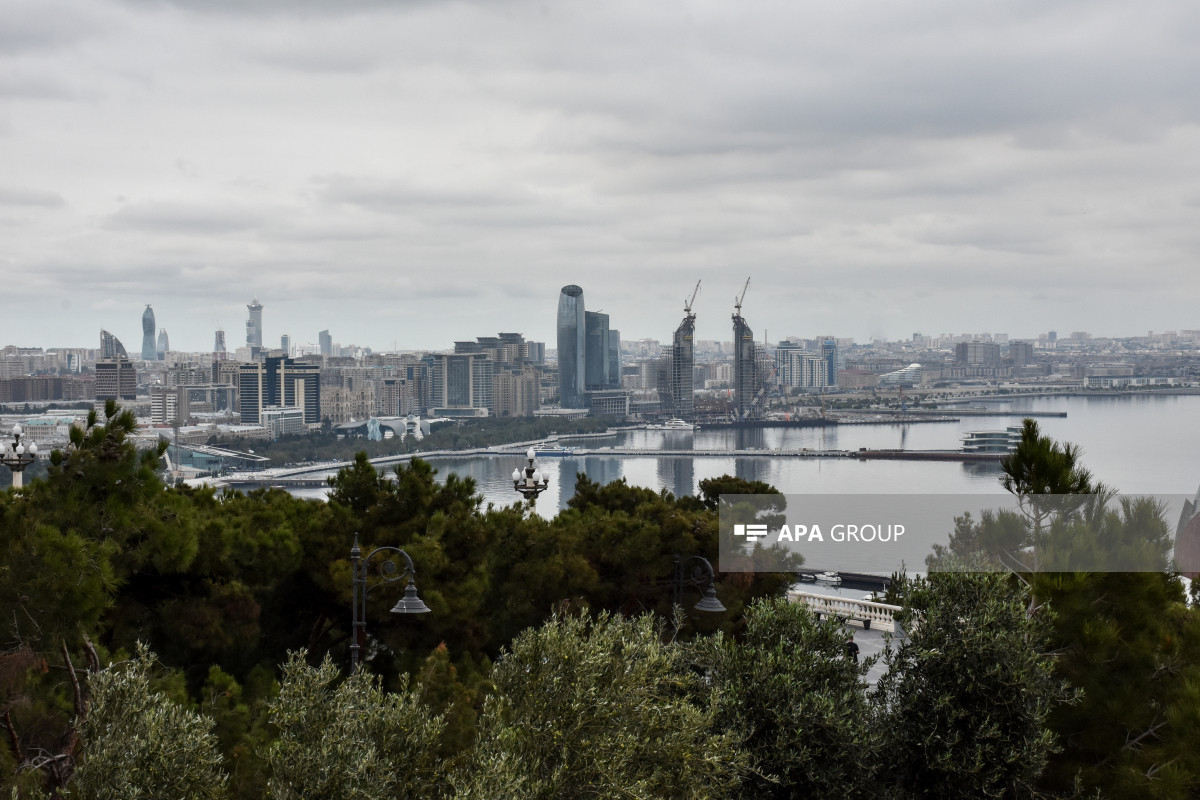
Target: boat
{"type": "Point", "coordinates": [552, 450]}
{"type": "Point", "coordinates": [806, 577]}
{"type": "Point", "coordinates": [672, 425]}
{"type": "Point", "coordinates": [829, 577]}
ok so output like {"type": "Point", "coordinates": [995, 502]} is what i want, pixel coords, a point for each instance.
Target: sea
{"type": "Point", "coordinates": [1135, 444]}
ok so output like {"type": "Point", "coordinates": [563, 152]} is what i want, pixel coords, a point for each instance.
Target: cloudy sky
{"type": "Point", "coordinates": [417, 172]}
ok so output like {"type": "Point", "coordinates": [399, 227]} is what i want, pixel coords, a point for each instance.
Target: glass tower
{"type": "Point", "coordinates": [254, 324]}
{"type": "Point", "coordinates": [163, 345]}
{"type": "Point", "coordinates": [148, 352]}
{"type": "Point", "coordinates": [595, 358]}
{"type": "Point", "coordinates": [572, 346]}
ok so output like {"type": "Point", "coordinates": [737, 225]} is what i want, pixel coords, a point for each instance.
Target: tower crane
{"type": "Point", "coordinates": [687, 304]}
{"type": "Point", "coordinates": [737, 302]}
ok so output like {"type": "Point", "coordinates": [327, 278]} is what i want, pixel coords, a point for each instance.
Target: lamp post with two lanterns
{"type": "Point", "coordinates": [17, 456]}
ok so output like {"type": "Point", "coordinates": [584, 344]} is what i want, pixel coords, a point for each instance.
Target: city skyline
{"type": "Point", "coordinates": [374, 168]}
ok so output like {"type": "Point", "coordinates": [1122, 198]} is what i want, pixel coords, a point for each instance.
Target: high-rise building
{"type": "Point", "coordinates": [254, 327]}
{"type": "Point", "coordinates": [111, 347]}
{"type": "Point", "coordinates": [800, 369]}
{"type": "Point", "coordinates": [747, 370]}
{"type": "Point", "coordinates": [285, 344]}
{"type": "Point", "coordinates": [677, 394]}
{"type": "Point", "coordinates": [148, 351]}
{"type": "Point", "coordinates": [219, 346]}
{"type": "Point", "coordinates": [832, 358]}
{"type": "Point", "coordinates": [164, 345]}
{"type": "Point", "coordinates": [977, 353]}
{"type": "Point", "coordinates": [1021, 353]}
{"type": "Point", "coordinates": [279, 381]}
{"type": "Point", "coordinates": [572, 346]}
{"type": "Point", "coordinates": [116, 379]}
{"type": "Point", "coordinates": [462, 381]}
{"type": "Point", "coordinates": [595, 358]}
{"type": "Point", "coordinates": [326, 342]}
{"type": "Point", "coordinates": [515, 394]}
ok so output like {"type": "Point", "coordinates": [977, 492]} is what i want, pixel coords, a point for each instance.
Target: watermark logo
{"type": "Point", "coordinates": [751, 533]}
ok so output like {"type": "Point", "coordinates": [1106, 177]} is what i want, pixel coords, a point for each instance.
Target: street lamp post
{"type": "Point", "coordinates": [533, 482]}
{"type": "Point", "coordinates": [698, 572]}
{"type": "Point", "coordinates": [16, 456]}
{"type": "Point", "coordinates": [409, 604]}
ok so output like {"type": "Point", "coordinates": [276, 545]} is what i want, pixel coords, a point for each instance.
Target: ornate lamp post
{"type": "Point", "coordinates": [409, 604]}
{"type": "Point", "coordinates": [16, 456]}
{"type": "Point", "coordinates": [697, 571]}
{"type": "Point", "coordinates": [533, 482]}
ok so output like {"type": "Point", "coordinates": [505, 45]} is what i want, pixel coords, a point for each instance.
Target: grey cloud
{"type": "Point", "coordinates": [29, 25]}
{"type": "Point", "coordinates": [183, 218]}
{"type": "Point", "coordinates": [17, 196]}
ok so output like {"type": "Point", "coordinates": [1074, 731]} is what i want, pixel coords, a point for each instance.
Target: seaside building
{"type": "Point", "coordinates": [677, 391]}
{"type": "Point", "coordinates": [572, 346]}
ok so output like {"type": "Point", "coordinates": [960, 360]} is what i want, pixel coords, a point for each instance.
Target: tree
{"type": "Point", "coordinates": [598, 708]}
{"type": "Point", "coordinates": [346, 738]}
{"type": "Point", "coordinates": [138, 743]}
{"type": "Point", "coordinates": [964, 704]}
{"type": "Point", "coordinates": [787, 688]}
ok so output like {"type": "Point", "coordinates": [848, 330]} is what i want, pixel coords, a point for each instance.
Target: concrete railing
{"type": "Point", "coordinates": [865, 611]}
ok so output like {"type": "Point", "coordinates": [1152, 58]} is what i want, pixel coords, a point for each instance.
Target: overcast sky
{"type": "Point", "coordinates": [420, 172]}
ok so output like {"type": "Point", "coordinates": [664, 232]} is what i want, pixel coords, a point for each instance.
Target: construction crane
{"type": "Point", "coordinates": [737, 302]}
{"type": "Point", "coordinates": [687, 304]}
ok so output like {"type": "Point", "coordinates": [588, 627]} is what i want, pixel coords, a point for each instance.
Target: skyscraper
{"type": "Point", "coordinates": [254, 329]}
{"type": "Point", "coordinates": [326, 342]}
{"type": "Point", "coordinates": [219, 345]}
{"type": "Point", "coordinates": [677, 394]}
{"type": "Point", "coordinates": [110, 346]}
{"type": "Point", "coordinates": [595, 358]}
{"type": "Point", "coordinates": [285, 344]}
{"type": "Point", "coordinates": [572, 346]}
{"type": "Point", "coordinates": [148, 351]}
{"type": "Point", "coordinates": [747, 372]}
{"type": "Point", "coordinates": [163, 345]}
{"type": "Point", "coordinates": [829, 352]}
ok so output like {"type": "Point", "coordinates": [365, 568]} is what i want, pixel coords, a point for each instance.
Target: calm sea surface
{"type": "Point", "coordinates": [1143, 445]}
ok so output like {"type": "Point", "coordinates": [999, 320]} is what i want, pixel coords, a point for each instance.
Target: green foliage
{"type": "Point", "coordinates": [347, 739]}
{"type": "Point", "coordinates": [138, 744]}
{"type": "Point", "coordinates": [1131, 644]}
{"type": "Point", "coordinates": [788, 689]}
{"type": "Point", "coordinates": [598, 708]}
{"type": "Point", "coordinates": [964, 704]}
{"type": "Point", "coordinates": [462, 435]}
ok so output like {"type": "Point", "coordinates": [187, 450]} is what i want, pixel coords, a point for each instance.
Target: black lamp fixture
{"type": "Point", "coordinates": [410, 603]}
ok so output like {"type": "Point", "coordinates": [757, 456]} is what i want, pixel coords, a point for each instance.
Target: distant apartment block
{"type": "Point", "coordinates": [279, 381]}
{"type": "Point", "coordinates": [977, 353]}
{"type": "Point", "coordinates": [460, 382]}
{"type": "Point", "coordinates": [116, 379]}
{"type": "Point", "coordinates": [515, 394]}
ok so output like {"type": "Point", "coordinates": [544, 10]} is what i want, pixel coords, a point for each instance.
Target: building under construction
{"type": "Point", "coordinates": [748, 366]}
{"type": "Point", "coordinates": [676, 389]}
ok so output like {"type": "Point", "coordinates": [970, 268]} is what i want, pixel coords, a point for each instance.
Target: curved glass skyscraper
{"type": "Point", "coordinates": [148, 353]}
{"type": "Point", "coordinates": [572, 346]}
{"type": "Point", "coordinates": [163, 345]}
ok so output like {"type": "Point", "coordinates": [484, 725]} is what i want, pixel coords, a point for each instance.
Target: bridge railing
{"type": "Point", "coordinates": [865, 611]}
